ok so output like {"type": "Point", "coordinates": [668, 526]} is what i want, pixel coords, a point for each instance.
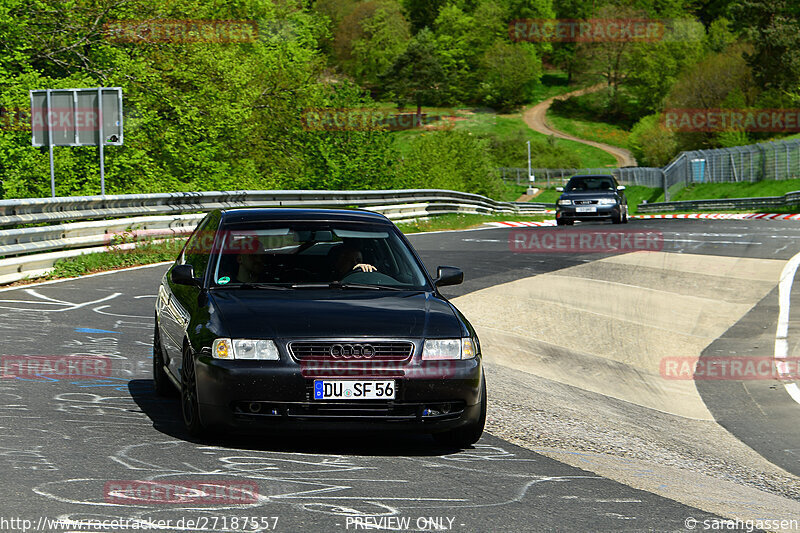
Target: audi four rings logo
{"type": "Point", "coordinates": [352, 350]}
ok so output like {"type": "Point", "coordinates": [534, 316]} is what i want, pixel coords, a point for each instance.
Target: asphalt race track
{"type": "Point", "coordinates": [63, 441]}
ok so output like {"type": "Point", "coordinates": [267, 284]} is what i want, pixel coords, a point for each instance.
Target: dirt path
{"type": "Point", "coordinates": [536, 118]}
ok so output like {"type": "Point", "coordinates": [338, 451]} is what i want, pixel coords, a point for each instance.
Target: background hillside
{"type": "Point", "coordinates": [217, 115]}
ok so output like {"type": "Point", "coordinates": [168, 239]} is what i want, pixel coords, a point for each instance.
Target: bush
{"type": "Point", "coordinates": [451, 159]}
{"type": "Point", "coordinates": [651, 143]}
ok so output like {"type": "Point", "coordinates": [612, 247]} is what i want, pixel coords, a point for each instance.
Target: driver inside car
{"type": "Point", "coordinates": [348, 258]}
{"type": "Point", "coordinates": [252, 262]}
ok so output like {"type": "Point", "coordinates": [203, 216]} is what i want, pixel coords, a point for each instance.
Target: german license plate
{"type": "Point", "coordinates": [591, 209]}
{"type": "Point", "coordinates": [345, 389]}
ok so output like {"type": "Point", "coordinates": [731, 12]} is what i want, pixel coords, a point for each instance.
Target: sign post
{"type": "Point", "coordinates": [531, 190]}
{"type": "Point", "coordinates": [77, 117]}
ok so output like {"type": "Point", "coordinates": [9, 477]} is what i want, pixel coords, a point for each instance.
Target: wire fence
{"type": "Point", "coordinates": [556, 177]}
{"type": "Point", "coordinates": [774, 160]}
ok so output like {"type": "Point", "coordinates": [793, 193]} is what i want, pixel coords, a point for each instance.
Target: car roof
{"type": "Point", "coordinates": [266, 214]}
{"type": "Point", "coordinates": [592, 176]}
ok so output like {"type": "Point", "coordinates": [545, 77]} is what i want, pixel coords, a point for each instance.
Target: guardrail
{"type": "Point", "coordinates": [789, 199]}
{"type": "Point", "coordinates": [31, 251]}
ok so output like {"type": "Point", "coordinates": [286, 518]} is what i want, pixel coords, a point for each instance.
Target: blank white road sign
{"type": "Point", "coordinates": [76, 117]}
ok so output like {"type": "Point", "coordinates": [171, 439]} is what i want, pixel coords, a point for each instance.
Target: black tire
{"type": "Point", "coordinates": [616, 219]}
{"type": "Point", "coordinates": [466, 436]}
{"type": "Point", "coordinates": [161, 382]}
{"type": "Point", "coordinates": [190, 407]}
{"type": "Point", "coordinates": [559, 222]}
{"type": "Point", "coordinates": [625, 218]}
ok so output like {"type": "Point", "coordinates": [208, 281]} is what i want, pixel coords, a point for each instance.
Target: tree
{"type": "Point", "coordinates": [370, 39]}
{"type": "Point", "coordinates": [773, 28]}
{"type": "Point", "coordinates": [417, 75]}
{"type": "Point", "coordinates": [460, 49]}
{"type": "Point", "coordinates": [657, 65]}
{"type": "Point", "coordinates": [508, 74]}
{"type": "Point", "coordinates": [422, 13]}
{"type": "Point", "coordinates": [651, 143]}
{"type": "Point", "coordinates": [722, 80]}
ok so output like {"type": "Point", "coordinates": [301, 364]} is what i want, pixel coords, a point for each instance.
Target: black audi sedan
{"type": "Point", "coordinates": [592, 198]}
{"type": "Point", "coordinates": [314, 319]}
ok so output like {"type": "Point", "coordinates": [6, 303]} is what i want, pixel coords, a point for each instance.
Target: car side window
{"type": "Point", "coordinates": [199, 246]}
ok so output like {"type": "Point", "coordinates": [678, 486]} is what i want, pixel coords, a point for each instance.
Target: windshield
{"type": "Point", "coordinates": [307, 254]}
{"type": "Point", "coordinates": [599, 183]}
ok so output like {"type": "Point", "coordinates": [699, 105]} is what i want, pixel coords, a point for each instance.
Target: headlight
{"type": "Point", "coordinates": [607, 201]}
{"type": "Point", "coordinates": [565, 202]}
{"type": "Point", "coordinates": [252, 349]}
{"type": "Point", "coordinates": [438, 349]}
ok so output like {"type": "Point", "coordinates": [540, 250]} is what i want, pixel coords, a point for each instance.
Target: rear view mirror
{"type": "Point", "coordinates": [620, 187]}
{"type": "Point", "coordinates": [560, 189]}
{"type": "Point", "coordinates": [184, 275]}
{"type": "Point", "coordinates": [448, 276]}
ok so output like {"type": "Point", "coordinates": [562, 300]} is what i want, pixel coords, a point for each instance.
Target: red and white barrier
{"type": "Point", "coordinates": [713, 216]}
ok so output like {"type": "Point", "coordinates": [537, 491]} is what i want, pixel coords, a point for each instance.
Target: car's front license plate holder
{"type": "Point", "coordinates": [354, 389]}
{"type": "Point", "coordinates": [586, 209]}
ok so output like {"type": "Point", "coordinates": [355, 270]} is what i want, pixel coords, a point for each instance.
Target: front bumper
{"type": "Point", "coordinates": [569, 212]}
{"type": "Point", "coordinates": [431, 396]}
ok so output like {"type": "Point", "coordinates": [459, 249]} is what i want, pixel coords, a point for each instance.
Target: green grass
{"type": "Point", "coordinates": [505, 126]}
{"type": "Point", "coordinates": [590, 157]}
{"type": "Point", "coordinates": [637, 194]}
{"type": "Point", "coordinates": [461, 221]}
{"type": "Point", "coordinates": [552, 83]}
{"type": "Point", "coordinates": [508, 126]}
{"type": "Point", "coordinates": [590, 130]}
{"type": "Point", "coordinates": [512, 191]}
{"type": "Point", "coordinates": [702, 191]}
{"type": "Point", "coordinates": [501, 126]}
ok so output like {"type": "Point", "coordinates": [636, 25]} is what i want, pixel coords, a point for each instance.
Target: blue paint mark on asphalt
{"type": "Point", "coordinates": [91, 330]}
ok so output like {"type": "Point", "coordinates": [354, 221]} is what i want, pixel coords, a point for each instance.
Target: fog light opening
{"type": "Point", "coordinates": [437, 410]}
{"type": "Point", "coordinates": [255, 407]}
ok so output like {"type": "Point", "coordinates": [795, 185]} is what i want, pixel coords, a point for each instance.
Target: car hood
{"type": "Point", "coordinates": [577, 195]}
{"type": "Point", "coordinates": [343, 313]}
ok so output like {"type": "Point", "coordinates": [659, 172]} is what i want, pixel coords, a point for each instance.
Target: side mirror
{"type": "Point", "coordinates": [620, 187]}
{"type": "Point", "coordinates": [448, 276]}
{"type": "Point", "coordinates": [560, 189]}
{"type": "Point", "coordinates": [184, 275]}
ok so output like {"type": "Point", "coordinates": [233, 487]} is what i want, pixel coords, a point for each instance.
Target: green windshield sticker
{"type": "Point", "coordinates": [223, 280]}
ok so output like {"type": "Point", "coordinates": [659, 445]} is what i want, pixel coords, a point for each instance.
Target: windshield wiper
{"type": "Point", "coordinates": [340, 285]}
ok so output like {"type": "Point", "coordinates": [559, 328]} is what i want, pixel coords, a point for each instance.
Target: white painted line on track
{"type": "Point", "coordinates": [782, 331]}
{"type": "Point", "coordinates": [105, 273]}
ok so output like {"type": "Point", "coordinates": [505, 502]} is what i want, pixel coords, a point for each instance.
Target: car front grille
{"type": "Point", "coordinates": [351, 350]}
